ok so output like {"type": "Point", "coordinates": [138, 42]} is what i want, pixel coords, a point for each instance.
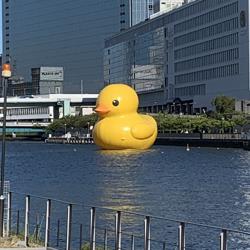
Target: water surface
{"type": "Point", "coordinates": [204, 185]}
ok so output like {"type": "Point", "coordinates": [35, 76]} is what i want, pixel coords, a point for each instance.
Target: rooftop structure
{"type": "Point", "coordinates": [163, 6]}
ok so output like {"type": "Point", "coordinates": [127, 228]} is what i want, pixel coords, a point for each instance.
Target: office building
{"type": "Point", "coordinates": [181, 60]}
{"type": "Point", "coordinates": [48, 80]}
{"type": "Point", "coordinates": [44, 81]}
{"type": "Point", "coordinates": [65, 33]}
{"type": "Point", "coordinates": [135, 11]}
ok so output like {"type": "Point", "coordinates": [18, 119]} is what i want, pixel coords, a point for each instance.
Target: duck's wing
{"type": "Point", "coordinates": [143, 130]}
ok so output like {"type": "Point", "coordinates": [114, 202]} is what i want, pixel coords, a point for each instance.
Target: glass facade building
{"type": "Point", "coordinates": [133, 12]}
{"type": "Point", "coordinates": [63, 33]}
{"type": "Point", "coordinates": [181, 60]}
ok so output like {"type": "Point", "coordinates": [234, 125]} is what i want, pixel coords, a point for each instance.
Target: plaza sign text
{"type": "Point", "coordinates": [51, 74]}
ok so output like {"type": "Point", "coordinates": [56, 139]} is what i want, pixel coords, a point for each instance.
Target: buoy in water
{"type": "Point", "coordinates": [188, 148]}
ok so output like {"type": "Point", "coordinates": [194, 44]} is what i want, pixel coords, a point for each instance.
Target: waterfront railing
{"type": "Point", "coordinates": [57, 223]}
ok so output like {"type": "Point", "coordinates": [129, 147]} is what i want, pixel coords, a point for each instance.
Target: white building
{"type": "Point", "coordinates": [43, 109]}
{"type": "Point", "coordinates": [163, 6]}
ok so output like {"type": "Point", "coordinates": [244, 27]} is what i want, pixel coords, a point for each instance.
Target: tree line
{"type": "Point", "coordinates": [224, 119]}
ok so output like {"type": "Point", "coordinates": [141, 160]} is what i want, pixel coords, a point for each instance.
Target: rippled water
{"type": "Point", "coordinates": [204, 185]}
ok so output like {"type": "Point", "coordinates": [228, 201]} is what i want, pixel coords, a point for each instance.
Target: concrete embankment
{"type": "Point", "coordinates": [207, 140]}
{"type": "Point", "coordinates": [194, 140]}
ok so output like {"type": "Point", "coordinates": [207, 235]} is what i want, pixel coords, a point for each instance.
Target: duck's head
{"type": "Point", "coordinates": [116, 99]}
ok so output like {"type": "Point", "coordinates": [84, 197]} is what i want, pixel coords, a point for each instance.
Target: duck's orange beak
{"type": "Point", "coordinates": [100, 109]}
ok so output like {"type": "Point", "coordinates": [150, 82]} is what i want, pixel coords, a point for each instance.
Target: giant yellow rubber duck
{"type": "Point", "coordinates": [119, 125]}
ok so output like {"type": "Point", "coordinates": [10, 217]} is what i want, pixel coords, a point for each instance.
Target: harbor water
{"type": "Point", "coordinates": [203, 185]}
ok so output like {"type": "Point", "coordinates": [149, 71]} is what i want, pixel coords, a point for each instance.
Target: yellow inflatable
{"type": "Point", "coordinates": [119, 125]}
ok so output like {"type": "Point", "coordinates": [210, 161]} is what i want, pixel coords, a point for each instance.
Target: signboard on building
{"type": "Point", "coordinates": [147, 77]}
{"type": "Point", "coordinates": [51, 74]}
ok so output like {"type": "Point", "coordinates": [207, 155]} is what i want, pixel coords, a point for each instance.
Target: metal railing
{"type": "Point", "coordinates": [117, 234]}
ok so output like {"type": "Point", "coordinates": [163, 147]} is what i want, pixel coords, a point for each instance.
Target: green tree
{"type": "Point", "coordinates": [224, 105]}
{"type": "Point", "coordinates": [76, 122]}
{"type": "Point", "coordinates": [240, 120]}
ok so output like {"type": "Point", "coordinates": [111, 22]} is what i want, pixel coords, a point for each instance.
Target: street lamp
{"type": "Point", "coordinates": [174, 107]}
{"type": "Point", "coordinates": [88, 129]}
{"type": "Point", "coordinates": [222, 125]}
{"type": "Point", "coordinates": [65, 129]}
{"type": "Point", "coordinates": [6, 74]}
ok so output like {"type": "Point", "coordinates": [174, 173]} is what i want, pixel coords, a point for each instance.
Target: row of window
{"type": "Point", "coordinates": [219, 72]}
{"type": "Point", "coordinates": [220, 57]}
{"type": "Point", "coordinates": [193, 9]}
{"type": "Point", "coordinates": [7, 48]}
{"type": "Point", "coordinates": [222, 42]}
{"type": "Point", "coordinates": [207, 18]}
{"type": "Point", "coordinates": [207, 32]}
{"type": "Point", "coordinates": [122, 16]}
{"type": "Point", "coordinates": [191, 90]}
{"type": "Point", "coordinates": [27, 111]}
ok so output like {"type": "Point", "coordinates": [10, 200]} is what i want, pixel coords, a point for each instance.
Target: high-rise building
{"type": "Point", "coordinates": [166, 5]}
{"type": "Point", "coordinates": [135, 11]}
{"type": "Point", "coordinates": [181, 60]}
{"type": "Point", "coordinates": [64, 33]}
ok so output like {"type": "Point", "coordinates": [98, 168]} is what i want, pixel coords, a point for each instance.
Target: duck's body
{"type": "Point", "coordinates": [131, 131]}
{"type": "Point", "coordinates": [119, 125]}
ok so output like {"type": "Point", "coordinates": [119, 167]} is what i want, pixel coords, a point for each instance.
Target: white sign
{"type": "Point", "coordinates": [51, 74]}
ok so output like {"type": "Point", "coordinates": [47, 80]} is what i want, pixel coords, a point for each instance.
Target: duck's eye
{"type": "Point", "coordinates": [115, 102]}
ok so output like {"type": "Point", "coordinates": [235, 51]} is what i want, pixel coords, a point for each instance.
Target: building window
{"type": "Point", "coordinates": [208, 74]}
{"type": "Point", "coordinates": [207, 32]}
{"type": "Point", "coordinates": [211, 59]}
{"type": "Point", "coordinates": [190, 90]}
{"type": "Point", "coordinates": [207, 18]}
{"type": "Point", "coordinates": [222, 42]}
{"type": "Point", "coordinates": [242, 19]}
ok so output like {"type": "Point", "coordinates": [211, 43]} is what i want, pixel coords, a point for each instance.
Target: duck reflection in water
{"type": "Point", "coordinates": [125, 191]}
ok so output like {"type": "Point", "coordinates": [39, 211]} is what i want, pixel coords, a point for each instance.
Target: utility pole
{"type": "Point", "coordinates": [6, 74]}
{"type": "Point", "coordinates": [81, 86]}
